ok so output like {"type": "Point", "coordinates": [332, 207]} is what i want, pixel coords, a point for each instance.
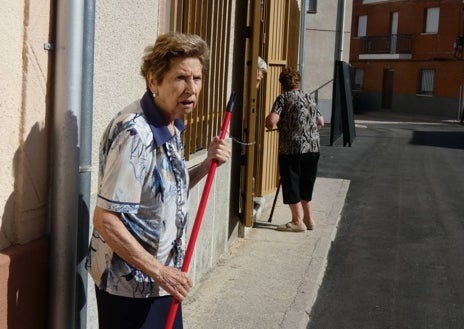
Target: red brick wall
{"type": "Point", "coordinates": [447, 80]}
{"type": "Point", "coordinates": [429, 51]}
{"type": "Point", "coordinates": [411, 21]}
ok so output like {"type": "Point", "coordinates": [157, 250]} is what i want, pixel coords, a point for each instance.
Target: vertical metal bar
{"type": "Point", "coordinates": [85, 163]}
{"type": "Point", "coordinates": [274, 202]}
{"type": "Point", "coordinates": [340, 30]}
{"type": "Point", "coordinates": [251, 111]}
{"type": "Point", "coordinates": [302, 41]}
{"type": "Point", "coordinates": [65, 160]}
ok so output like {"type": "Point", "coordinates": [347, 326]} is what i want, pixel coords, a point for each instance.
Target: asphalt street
{"type": "Point", "coordinates": [397, 260]}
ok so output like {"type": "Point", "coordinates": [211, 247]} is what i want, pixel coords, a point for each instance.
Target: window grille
{"type": "Point", "coordinates": [426, 79]}
{"type": "Point", "coordinates": [211, 20]}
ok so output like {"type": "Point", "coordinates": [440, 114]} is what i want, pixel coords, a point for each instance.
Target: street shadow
{"type": "Point", "coordinates": [443, 139]}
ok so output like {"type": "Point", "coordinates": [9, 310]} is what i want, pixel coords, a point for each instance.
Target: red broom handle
{"type": "Point", "coordinates": [201, 210]}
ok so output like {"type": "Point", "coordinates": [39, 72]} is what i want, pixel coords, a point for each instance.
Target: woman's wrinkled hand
{"type": "Point", "coordinates": [175, 282]}
{"type": "Point", "coordinates": [220, 150]}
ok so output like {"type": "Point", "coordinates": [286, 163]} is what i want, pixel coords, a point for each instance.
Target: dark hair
{"type": "Point", "coordinates": [289, 78]}
{"type": "Point", "coordinates": [157, 58]}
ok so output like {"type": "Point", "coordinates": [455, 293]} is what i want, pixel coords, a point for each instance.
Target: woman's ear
{"type": "Point", "coordinates": [152, 85]}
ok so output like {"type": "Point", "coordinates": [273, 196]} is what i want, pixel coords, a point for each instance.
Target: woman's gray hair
{"type": "Point", "coordinates": [157, 58]}
{"type": "Point", "coordinates": [262, 64]}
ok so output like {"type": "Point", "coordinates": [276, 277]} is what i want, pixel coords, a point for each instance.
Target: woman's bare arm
{"type": "Point", "coordinates": [109, 225]}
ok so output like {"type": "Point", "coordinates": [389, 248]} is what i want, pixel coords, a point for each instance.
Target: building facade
{"type": "Point", "coordinates": [67, 67]}
{"type": "Point", "coordinates": [407, 56]}
{"type": "Point", "coordinates": [327, 39]}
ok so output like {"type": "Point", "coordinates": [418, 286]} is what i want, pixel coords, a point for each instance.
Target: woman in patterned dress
{"type": "Point", "coordinates": [298, 119]}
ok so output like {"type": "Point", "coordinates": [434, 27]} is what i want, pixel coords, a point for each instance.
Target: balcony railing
{"type": "Point", "coordinates": [393, 44]}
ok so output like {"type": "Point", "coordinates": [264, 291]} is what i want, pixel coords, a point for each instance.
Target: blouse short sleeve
{"type": "Point", "coordinates": [124, 163]}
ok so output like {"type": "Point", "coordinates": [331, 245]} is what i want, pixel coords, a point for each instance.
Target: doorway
{"type": "Point", "coordinates": [387, 90]}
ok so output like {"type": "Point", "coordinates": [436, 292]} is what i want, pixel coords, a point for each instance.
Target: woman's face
{"type": "Point", "coordinates": [259, 77]}
{"type": "Point", "coordinates": [178, 93]}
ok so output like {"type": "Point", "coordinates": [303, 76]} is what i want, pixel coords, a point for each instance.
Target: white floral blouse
{"type": "Point", "coordinates": [142, 176]}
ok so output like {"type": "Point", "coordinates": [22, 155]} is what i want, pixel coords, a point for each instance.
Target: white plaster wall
{"type": "Point", "coordinates": [320, 47]}
{"type": "Point", "coordinates": [347, 35]}
{"type": "Point", "coordinates": [122, 30]}
{"type": "Point", "coordinates": [23, 86]}
{"type": "Point", "coordinates": [32, 222]}
{"type": "Point", "coordinates": [321, 29]}
{"type": "Point", "coordinates": [11, 38]}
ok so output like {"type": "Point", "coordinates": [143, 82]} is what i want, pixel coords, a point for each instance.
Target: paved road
{"type": "Point", "coordinates": [398, 258]}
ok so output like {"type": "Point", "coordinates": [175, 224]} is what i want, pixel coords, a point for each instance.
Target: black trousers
{"type": "Point", "coordinates": [298, 174]}
{"type": "Point", "coordinates": [116, 312]}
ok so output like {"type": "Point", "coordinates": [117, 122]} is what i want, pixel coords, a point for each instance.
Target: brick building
{"type": "Point", "coordinates": [407, 56]}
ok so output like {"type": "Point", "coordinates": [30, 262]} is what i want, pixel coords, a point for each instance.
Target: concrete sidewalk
{"type": "Point", "coordinates": [270, 279]}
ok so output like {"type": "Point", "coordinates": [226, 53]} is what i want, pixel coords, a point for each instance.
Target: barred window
{"type": "Point", "coordinates": [201, 17]}
{"type": "Point", "coordinates": [426, 79]}
{"type": "Point", "coordinates": [311, 6]}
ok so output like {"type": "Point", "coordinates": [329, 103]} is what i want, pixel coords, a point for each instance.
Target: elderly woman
{"type": "Point", "coordinates": [137, 247]}
{"type": "Point", "coordinates": [298, 120]}
{"type": "Point", "coordinates": [262, 69]}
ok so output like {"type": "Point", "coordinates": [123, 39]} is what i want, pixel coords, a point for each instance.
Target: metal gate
{"type": "Point", "coordinates": [281, 49]}
{"type": "Point", "coordinates": [211, 20]}
{"type": "Point", "coordinates": [272, 32]}
{"type": "Point", "coordinates": [275, 30]}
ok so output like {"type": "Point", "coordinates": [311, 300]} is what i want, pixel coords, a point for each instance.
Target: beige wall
{"type": "Point", "coordinates": [24, 72]}
{"type": "Point", "coordinates": [122, 30]}
{"type": "Point", "coordinates": [23, 86]}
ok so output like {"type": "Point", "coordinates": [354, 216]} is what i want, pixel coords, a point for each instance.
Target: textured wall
{"type": "Point", "coordinates": [10, 103]}
{"type": "Point", "coordinates": [24, 161]}
{"type": "Point", "coordinates": [24, 90]}
{"type": "Point", "coordinates": [122, 30]}
{"type": "Point", "coordinates": [428, 50]}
